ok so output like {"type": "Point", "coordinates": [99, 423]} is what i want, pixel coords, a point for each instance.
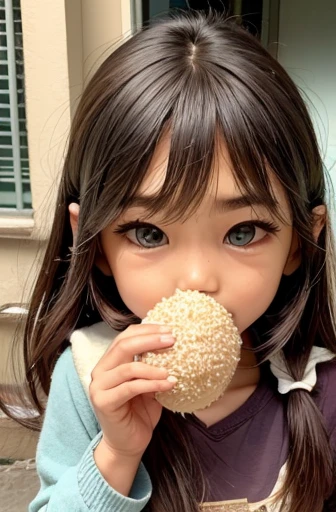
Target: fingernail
{"type": "Point", "coordinates": [167, 338]}
{"type": "Point", "coordinates": [171, 378]}
{"type": "Point", "coordinates": [165, 328]}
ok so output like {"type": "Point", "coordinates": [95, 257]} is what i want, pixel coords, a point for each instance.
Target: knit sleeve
{"type": "Point", "coordinates": [69, 477]}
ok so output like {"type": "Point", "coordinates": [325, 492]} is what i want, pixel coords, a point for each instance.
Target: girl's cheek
{"type": "Point", "coordinates": [140, 294]}
{"type": "Point", "coordinates": [252, 300]}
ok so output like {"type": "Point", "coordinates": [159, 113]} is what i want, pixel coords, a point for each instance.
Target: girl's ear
{"type": "Point", "coordinates": [294, 258]}
{"type": "Point", "coordinates": [100, 260]}
{"type": "Point", "coordinates": [74, 214]}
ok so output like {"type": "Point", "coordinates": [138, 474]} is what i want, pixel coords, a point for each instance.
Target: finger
{"type": "Point", "coordinates": [125, 351]}
{"type": "Point", "coordinates": [127, 372]}
{"type": "Point", "coordinates": [119, 396]}
{"type": "Point", "coordinates": [138, 329]}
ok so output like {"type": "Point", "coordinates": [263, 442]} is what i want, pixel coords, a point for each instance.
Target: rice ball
{"type": "Point", "coordinates": [205, 355]}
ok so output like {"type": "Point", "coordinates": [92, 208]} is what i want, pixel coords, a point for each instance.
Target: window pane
{"type": "Point", "coordinates": [4, 97]}
{"type": "Point", "coordinates": [5, 163]}
{"type": "Point", "coordinates": [3, 70]}
{"type": "Point", "coordinates": [6, 140]}
{"type": "Point", "coordinates": [4, 84]}
{"type": "Point", "coordinates": [7, 195]}
{"type": "Point", "coordinates": [27, 200]}
{"type": "Point", "coordinates": [5, 126]}
{"type": "Point", "coordinates": [14, 169]}
{"type": "Point", "coordinates": [249, 11]}
{"type": "Point", "coordinates": [6, 152]}
{"type": "Point", "coordinates": [23, 140]}
{"type": "Point", "coordinates": [5, 112]}
{"type": "Point", "coordinates": [24, 152]}
{"type": "Point", "coordinates": [3, 40]}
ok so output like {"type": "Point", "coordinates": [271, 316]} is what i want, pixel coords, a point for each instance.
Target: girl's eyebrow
{"type": "Point", "coordinates": [222, 204]}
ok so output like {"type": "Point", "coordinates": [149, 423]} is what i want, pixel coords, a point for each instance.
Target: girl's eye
{"type": "Point", "coordinates": [142, 234]}
{"type": "Point", "coordinates": [244, 234]}
{"type": "Point", "coordinates": [147, 236]}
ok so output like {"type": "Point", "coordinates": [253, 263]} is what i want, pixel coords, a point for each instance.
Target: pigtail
{"type": "Point", "coordinates": [309, 455]}
{"type": "Point", "coordinates": [173, 464]}
{"type": "Point", "coordinates": [310, 466]}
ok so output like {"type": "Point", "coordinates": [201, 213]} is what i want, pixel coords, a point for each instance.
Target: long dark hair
{"type": "Point", "coordinates": [199, 78]}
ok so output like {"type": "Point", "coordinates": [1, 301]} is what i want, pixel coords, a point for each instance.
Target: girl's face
{"type": "Point", "coordinates": [230, 249]}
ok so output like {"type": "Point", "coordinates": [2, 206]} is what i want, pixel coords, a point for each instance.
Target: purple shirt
{"type": "Point", "coordinates": [242, 454]}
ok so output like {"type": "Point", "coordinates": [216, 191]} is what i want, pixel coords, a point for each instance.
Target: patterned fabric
{"type": "Point", "coordinates": [270, 504]}
{"type": "Point", "coordinates": [238, 506]}
{"type": "Point", "coordinates": [232, 506]}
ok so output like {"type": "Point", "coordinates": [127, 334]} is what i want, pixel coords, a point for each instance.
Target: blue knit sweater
{"type": "Point", "coordinates": [70, 479]}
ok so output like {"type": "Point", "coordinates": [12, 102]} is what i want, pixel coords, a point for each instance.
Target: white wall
{"type": "Point", "coordinates": [307, 49]}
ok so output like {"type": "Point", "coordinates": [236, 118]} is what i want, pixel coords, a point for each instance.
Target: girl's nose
{"type": "Point", "coordinates": [198, 272]}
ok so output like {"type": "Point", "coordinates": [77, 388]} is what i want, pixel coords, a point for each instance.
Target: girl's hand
{"type": "Point", "coordinates": [122, 391]}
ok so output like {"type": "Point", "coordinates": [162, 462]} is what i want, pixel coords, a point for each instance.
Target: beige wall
{"type": "Point", "coordinates": [107, 18]}
{"type": "Point", "coordinates": [63, 44]}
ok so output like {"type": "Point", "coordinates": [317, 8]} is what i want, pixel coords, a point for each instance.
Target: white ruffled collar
{"type": "Point", "coordinates": [89, 344]}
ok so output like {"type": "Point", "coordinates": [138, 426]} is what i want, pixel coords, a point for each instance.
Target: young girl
{"type": "Point", "coordinates": [192, 164]}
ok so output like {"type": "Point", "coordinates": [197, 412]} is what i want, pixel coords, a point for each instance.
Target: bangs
{"type": "Point", "coordinates": [192, 132]}
{"type": "Point", "coordinates": [203, 121]}
{"type": "Point", "coordinates": [203, 96]}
